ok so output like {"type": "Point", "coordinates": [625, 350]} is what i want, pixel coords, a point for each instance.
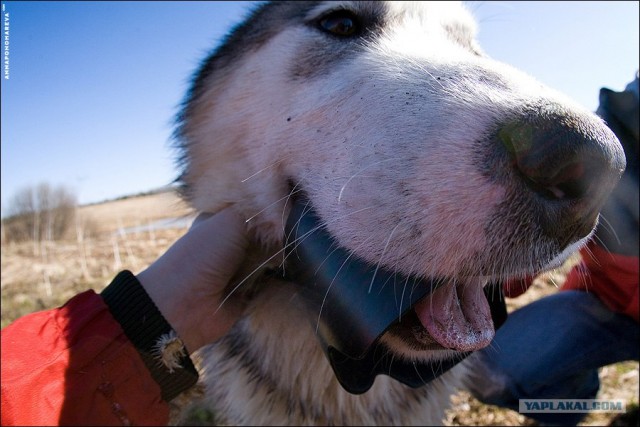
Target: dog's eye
{"type": "Point", "coordinates": [341, 23]}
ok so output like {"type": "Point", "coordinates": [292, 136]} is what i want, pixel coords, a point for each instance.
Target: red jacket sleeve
{"type": "Point", "coordinates": [613, 278]}
{"type": "Point", "coordinates": [74, 366]}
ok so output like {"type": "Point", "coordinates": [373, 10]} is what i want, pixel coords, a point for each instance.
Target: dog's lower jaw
{"type": "Point", "coordinates": [251, 379]}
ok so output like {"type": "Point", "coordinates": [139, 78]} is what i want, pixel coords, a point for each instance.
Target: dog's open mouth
{"type": "Point", "coordinates": [455, 316]}
{"type": "Point", "coordinates": [356, 304]}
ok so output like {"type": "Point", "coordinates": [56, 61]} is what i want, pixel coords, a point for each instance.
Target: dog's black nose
{"type": "Point", "coordinates": [571, 160]}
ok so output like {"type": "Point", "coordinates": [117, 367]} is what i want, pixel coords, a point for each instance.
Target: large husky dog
{"type": "Point", "coordinates": [417, 151]}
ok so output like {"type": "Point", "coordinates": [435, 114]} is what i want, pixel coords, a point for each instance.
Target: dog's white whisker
{"type": "Point", "coordinates": [264, 263]}
{"type": "Point", "coordinates": [346, 260]}
{"type": "Point", "coordinates": [270, 205]}
{"type": "Point", "coordinates": [404, 289]}
{"type": "Point", "coordinates": [264, 169]}
{"type": "Point", "coordinates": [606, 223]}
{"type": "Point", "coordinates": [360, 171]}
{"type": "Point", "coordinates": [299, 239]}
{"type": "Point", "coordinates": [386, 245]}
{"type": "Point", "coordinates": [294, 190]}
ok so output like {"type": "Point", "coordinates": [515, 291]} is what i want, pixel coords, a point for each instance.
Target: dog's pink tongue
{"type": "Point", "coordinates": [457, 317]}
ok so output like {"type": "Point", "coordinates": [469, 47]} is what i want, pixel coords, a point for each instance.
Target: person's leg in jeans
{"type": "Point", "coordinates": [551, 349]}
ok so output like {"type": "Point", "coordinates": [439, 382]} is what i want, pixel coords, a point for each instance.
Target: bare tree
{"type": "Point", "coordinates": [21, 223]}
{"type": "Point", "coordinates": [40, 213]}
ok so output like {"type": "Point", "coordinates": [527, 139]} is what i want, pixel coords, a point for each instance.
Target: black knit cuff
{"type": "Point", "coordinates": [144, 325]}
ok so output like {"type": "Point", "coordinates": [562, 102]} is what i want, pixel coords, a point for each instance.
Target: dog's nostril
{"type": "Point", "coordinates": [553, 159]}
{"type": "Point", "coordinates": [570, 181]}
{"type": "Point", "coordinates": [569, 161]}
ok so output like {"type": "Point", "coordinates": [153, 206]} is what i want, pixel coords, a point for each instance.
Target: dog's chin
{"type": "Point", "coordinates": [412, 343]}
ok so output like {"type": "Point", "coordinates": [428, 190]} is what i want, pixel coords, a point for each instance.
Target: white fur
{"type": "Point", "coordinates": [377, 155]}
{"type": "Point", "coordinates": [381, 142]}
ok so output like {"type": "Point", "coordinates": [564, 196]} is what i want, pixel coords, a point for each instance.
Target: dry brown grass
{"type": "Point", "coordinates": [44, 276]}
{"type": "Point", "coordinates": [35, 277]}
{"type": "Point", "coordinates": [134, 211]}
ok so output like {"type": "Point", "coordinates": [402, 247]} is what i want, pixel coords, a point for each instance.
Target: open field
{"type": "Point", "coordinates": [121, 234]}
{"type": "Point", "coordinates": [128, 234]}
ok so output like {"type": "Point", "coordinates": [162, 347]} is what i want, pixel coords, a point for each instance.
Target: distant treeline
{"type": "Point", "coordinates": [39, 213]}
{"type": "Point", "coordinates": [47, 213]}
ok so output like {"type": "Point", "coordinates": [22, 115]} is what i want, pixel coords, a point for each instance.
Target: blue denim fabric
{"type": "Point", "coordinates": [551, 349]}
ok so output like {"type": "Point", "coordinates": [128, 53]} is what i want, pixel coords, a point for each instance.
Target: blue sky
{"type": "Point", "coordinates": [93, 86]}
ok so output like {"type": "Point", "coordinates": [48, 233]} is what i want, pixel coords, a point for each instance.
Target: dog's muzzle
{"type": "Point", "coordinates": [353, 303]}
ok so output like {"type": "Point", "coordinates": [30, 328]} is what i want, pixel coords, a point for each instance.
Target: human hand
{"type": "Point", "coordinates": [188, 283]}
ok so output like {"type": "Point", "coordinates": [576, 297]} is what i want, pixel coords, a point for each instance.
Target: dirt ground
{"type": "Point", "coordinates": [120, 235]}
